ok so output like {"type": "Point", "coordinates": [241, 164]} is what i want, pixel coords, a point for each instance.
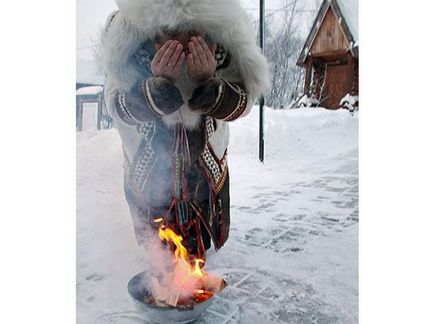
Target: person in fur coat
{"type": "Point", "coordinates": [177, 73]}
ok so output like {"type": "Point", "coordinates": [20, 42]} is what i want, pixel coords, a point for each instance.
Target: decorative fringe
{"type": "Point", "coordinates": [185, 219]}
{"type": "Point", "coordinates": [215, 199]}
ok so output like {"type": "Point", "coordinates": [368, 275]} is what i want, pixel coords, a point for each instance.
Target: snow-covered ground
{"type": "Point", "coordinates": [292, 255]}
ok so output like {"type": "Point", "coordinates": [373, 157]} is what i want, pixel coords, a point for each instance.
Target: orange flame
{"type": "Point", "coordinates": [187, 275]}
{"type": "Point", "coordinates": [180, 254]}
{"type": "Point", "coordinates": [197, 269]}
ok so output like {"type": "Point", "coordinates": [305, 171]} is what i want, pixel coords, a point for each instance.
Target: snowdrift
{"type": "Point", "coordinates": [289, 134]}
{"type": "Point", "coordinates": [296, 133]}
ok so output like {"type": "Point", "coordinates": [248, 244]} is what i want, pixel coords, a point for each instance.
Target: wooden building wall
{"type": "Point", "coordinates": [330, 37]}
{"type": "Point", "coordinates": [331, 70]}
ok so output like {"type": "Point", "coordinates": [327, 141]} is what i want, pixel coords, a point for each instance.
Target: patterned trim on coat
{"type": "Point", "coordinates": [123, 111]}
{"type": "Point", "coordinates": [241, 105]}
{"type": "Point", "coordinates": [145, 157]}
{"type": "Point", "coordinates": [210, 127]}
{"type": "Point", "coordinates": [146, 129]}
{"type": "Point", "coordinates": [216, 169]}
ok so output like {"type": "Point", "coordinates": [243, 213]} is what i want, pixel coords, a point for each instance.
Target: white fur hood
{"type": "Point", "coordinates": [223, 20]}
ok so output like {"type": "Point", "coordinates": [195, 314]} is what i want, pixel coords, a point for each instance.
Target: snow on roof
{"type": "Point", "coordinates": [350, 11]}
{"type": "Point", "coordinates": [89, 91]}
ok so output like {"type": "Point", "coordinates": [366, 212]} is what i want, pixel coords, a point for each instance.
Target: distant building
{"type": "Point", "coordinates": [331, 55]}
{"type": "Point", "coordinates": [89, 118]}
{"type": "Point", "coordinates": [91, 111]}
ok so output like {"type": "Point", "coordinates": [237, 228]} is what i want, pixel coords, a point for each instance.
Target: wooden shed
{"type": "Point", "coordinates": [89, 118]}
{"type": "Point", "coordinates": [91, 111]}
{"type": "Point", "coordinates": [331, 54]}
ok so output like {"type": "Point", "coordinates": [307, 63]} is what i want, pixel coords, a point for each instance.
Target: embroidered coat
{"type": "Point", "coordinates": [150, 112]}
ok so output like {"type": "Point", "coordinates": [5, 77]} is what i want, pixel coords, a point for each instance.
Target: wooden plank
{"type": "Point", "coordinates": [344, 25]}
{"type": "Point", "coordinates": [308, 76]}
{"type": "Point", "coordinates": [319, 71]}
{"type": "Point", "coordinates": [356, 77]}
{"type": "Point", "coordinates": [329, 55]}
{"type": "Point", "coordinates": [350, 74]}
{"type": "Point", "coordinates": [313, 31]}
{"type": "Point", "coordinates": [336, 85]}
{"type": "Point", "coordinates": [330, 36]}
{"type": "Point", "coordinates": [330, 8]}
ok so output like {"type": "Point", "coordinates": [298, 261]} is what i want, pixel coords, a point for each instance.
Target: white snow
{"type": "Point", "coordinates": [292, 252]}
{"type": "Point", "coordinates": [349, 99]}
{"type": "Point", "coordinates": [90, 116]}
{"type": "Point", "coordinates": [93, 90]}
{"type": "Point", "coordinates": [307, 101]}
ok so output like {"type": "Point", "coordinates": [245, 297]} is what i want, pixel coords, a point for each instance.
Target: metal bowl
{"type": "Point", "coordinates": [162, 314]}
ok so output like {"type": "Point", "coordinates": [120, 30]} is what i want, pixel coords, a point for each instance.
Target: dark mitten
{"type": "Point", "coordinates": [148, 100]}
{"type": "Point", "coordinates": [162, 95]}
{"type": "Point", "coordinates": [205, 96]}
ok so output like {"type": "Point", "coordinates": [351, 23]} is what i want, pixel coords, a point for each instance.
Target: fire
{"type": "Point", "coordinates": [202, 295]}
{"type": "Point", "coordinates": [197, 269]}
{"type": "Point", "coordinates": [180, 254]}
{"type": "Point", "coordinates": [187, 278]}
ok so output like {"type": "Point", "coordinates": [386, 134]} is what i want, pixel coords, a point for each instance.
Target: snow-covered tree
{"type": "Point", "coordinates": [285, 33]}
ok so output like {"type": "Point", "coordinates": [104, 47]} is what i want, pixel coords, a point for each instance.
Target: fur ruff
{"type": "Point", "coordinates": [224, 21]}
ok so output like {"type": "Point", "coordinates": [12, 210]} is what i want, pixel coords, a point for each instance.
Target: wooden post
{"type": "Point", "coordinates": [350, 73]}
{"type": "Point", "coordinates": [308, 76]}
{"type": "Point", "coordinates": [320, 66]}
{"type": "Point", "coordinates": [356, 77]}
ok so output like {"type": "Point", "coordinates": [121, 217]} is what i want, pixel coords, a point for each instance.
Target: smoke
{"type": "Point", "coordinates": [167, 278]}
{"type": "Point", "coordinates": [157, 255]}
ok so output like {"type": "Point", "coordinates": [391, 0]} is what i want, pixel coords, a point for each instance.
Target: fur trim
{"type": "Point", "coordinates": [190, 119]}
{"type": "Point", "coordinates": [224, 21]}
